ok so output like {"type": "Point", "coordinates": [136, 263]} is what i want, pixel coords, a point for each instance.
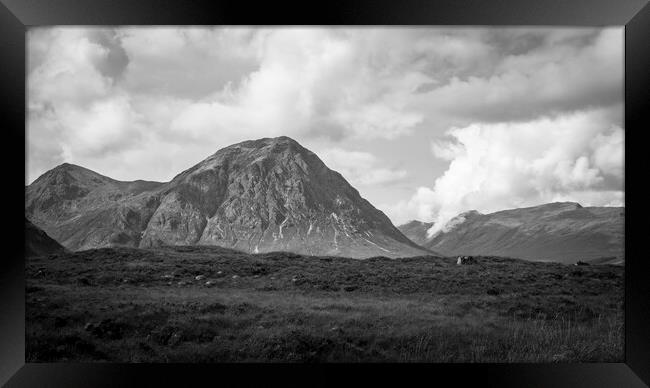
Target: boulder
{"type": "Point", "coordinates": [464, 260]}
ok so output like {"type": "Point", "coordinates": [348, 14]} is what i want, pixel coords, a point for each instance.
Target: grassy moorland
{"type": "Point", "coordinates": [208, 304]}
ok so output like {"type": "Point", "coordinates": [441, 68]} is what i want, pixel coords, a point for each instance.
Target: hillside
{"type": "Point", "coordinates": [38, 243]}
{"type": "Point", "coordinates": [210, 304]}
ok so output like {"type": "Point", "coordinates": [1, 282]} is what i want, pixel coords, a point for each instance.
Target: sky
{"type": "Point", "coordinates": [425, 122]}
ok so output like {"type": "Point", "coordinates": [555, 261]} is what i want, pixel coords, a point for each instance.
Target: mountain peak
{"type": "Point", "coordinates": [67, 173]}
{"type": "Point", "coordinates": [414, 223]}
{"type": "Point", "coordinates": [266, 142]}
{"type": "Point", "coordinates": [68, 167]}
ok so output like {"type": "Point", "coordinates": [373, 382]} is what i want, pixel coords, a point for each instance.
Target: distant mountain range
{"type": "Point", "coordinates": [264, 195]}
{"type": "Point", "coordinates": [565, 232]}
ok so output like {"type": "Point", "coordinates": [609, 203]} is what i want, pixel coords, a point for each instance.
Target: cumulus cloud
{"type": "Point", "coordinates": [420, 206]}
{"type": "Point", "coordinates": [64, 68]}
{"type": "Point", "coordinates": [307, 77]}
{"type": "Point", "coordinates": [70, 98]}
{"type": "Point", "coordinates": [577, 157]}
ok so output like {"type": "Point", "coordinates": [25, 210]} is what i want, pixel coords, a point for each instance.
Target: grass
{"type": "Point", "coordinates": [128, 305]}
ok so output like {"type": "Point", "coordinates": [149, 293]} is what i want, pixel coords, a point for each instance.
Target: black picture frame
{"type": "Point", "coordinates": [17, 15]}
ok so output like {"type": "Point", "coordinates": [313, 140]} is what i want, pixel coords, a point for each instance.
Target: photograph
{"type": "Point", "coordinates": [324, 194]}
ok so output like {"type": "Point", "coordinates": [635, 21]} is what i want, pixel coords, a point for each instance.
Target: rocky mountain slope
{"type": "Point", "coordinates": [38, 243]}
{"type": "Point", "coordinates": [257, 196]}
{"type": "Point", "coordinates": [565, 232]}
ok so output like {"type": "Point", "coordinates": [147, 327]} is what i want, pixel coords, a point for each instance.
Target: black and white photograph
{"type": "Point", "coordinates": [332, 194]}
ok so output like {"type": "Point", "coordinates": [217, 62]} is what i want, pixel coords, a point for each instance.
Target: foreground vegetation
{"type": "Point", "coordinates": [209, 304]}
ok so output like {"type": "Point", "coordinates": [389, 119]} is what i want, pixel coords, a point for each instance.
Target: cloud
{"type": "Point", "coordinates": [72, 107]}
{"type": "Point", "coordinates": [188, 63]}
{"type": "Point", "coordinates": [556, 76]}
{"type": "Point", "coordinates": [360, 168]}
{"type": "Point", "coordinates": [308, 76]}
{"type": "Point", "coordinates": [147, 102]}
{"type": "Point", "coordinates": [107, 124]}
{"type": "Point", "coordinates": [577, 156]}
{"type": "Point", "coordinates": [65, 69]}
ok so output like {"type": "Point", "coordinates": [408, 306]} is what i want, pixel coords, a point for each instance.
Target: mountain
{"type": "Point", "coordinates": [561, 231]}
{"type": "Point", "coordinates": [83, 209]}
{"type": "Point", "coordinates": [262, 195]}
{"type": "Point", "coordinates": [416, 231]}
{"type": "Point", "coordinates": [38, 243]}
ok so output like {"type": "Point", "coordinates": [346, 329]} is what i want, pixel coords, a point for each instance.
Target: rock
{"type": "Point", "coordinates": [199, 277]}
{"type": "Point", "coordinates": [463, 260]}
{"type": "Point", "coordinates": [166, 277]}
{"type": "Point", "coordinates": [219, 272]}
{"type": "Point", "coordinates": [235, 276]}
{"type": "Point", "coordinates": [210, 283]}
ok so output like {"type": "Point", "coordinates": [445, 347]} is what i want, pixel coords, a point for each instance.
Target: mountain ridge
{"type": "Point", "coordinates": [557, 231]}
{"type": "Point", "coordinates": [258, 195]}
